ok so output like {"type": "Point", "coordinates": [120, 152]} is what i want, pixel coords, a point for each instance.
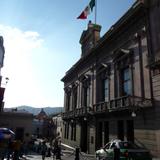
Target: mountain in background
{"type": "Point", "coordinates": [35, 111]}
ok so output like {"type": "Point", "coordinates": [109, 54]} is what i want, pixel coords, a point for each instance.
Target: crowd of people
{"type": "Point", "coordinates": [15, 149]}
{"type": "Point", "coordinates": [50, 149]}
{"type": "Point", "coordinates": [12, 149]}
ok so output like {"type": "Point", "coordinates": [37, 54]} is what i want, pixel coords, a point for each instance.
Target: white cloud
{"type": "Point", "coordinates": [19, 41]}
{"type": "Point", "coordinates": [19, 48]}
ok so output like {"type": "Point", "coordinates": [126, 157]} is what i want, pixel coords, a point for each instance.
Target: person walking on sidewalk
{"type": "Point", "coordinates": [57, 147]}
{"type": "Point", "coordinates": [43, 150]}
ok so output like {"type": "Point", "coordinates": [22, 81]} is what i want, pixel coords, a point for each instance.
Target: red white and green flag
{"type": "Point", "coordinates": [84, 13]}
{"type": "Point", "coordinates": [87, 10]}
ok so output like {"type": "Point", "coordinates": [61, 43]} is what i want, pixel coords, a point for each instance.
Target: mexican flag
{"type": "Point", "coordinates": [87, 10]}
{"type": "Point", "coordinates": [84, 13]}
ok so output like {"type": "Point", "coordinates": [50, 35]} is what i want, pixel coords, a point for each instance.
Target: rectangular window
{"type": "Point", "coordinates": [67, 134]}
{"type": "Point", "coordinates": [68, 101]}
{"type": "Point", "coordinates": [72, 130]}
{"type": "Point", "coordinates": [87, 96]}
{"type": "Point", "coordinates": [106, 90]}
{"type": "Point", "coordinates": [126, 82]}
{"type": "Point", "coordinates": [65, 131]}
{"type": "Point", "coordinates": [75, 98]}
{"type": "Point", "coordinates": [74, 136]}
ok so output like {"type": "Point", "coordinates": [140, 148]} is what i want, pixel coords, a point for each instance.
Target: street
{"type": "Point", "coordinates": [65, 156]}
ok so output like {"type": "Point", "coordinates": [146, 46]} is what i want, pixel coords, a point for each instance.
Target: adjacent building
{"type": "Point", "coordinates": [113, 90]}
{"type": "Point", "coordinates": [2, 89]}
{"type": "Point", "coordinates": [58, 122]}
{"type": "Point", "coordinates": [18, 121]}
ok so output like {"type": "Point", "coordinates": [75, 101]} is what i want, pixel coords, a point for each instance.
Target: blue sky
{"type": "Point", "coordinates": [41, 39]}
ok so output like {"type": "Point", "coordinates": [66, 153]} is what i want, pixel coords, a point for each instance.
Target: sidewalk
{"type": "Point", "coordinates": [65, 156]}
{"type": "Point", "coordinates": [68, 149]}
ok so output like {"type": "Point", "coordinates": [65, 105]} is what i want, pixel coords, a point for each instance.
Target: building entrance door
{"type": "Point", "coordinates": [84, 136]}
{"type": "Point", "coordinates": [106, 132]}
{"type": "Point", "coordinates": [20, 133]}
{"type": "Point", "coordinates": [99, 134]}
{"type": "Point", "coordinates": [120, 130]}
{"type": "Point", "coordinates": [130, 130]}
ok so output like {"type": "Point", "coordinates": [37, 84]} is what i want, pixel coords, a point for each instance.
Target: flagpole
{"type": "Point", "coordinates": [95, 11]}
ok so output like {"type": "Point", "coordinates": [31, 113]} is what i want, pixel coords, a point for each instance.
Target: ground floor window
{"type": "Point", "coordinates": [73, 131]}
{"type": "Point", "coordinates": [66, 130]}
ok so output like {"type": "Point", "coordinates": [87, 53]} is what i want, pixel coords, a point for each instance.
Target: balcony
{"type": "Point", "coordinates": [101, 107]}
{"type": "Point", "coordinates": [122, 103]}
{"type": "Point", "coordinates": [78, 112]}
{"type": "Point", "coordinates": [118, 104]}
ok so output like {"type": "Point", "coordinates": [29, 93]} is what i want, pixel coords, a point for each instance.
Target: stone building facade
{"type": "Point", "coordinates": [113, 90]}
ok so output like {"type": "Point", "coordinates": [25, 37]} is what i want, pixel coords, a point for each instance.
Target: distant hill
{"type": "Point", "coordinates": [35, 111]}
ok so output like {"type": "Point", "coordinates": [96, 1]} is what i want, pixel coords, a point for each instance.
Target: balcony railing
{"type": "Point", "coordinates": [101, 107]}
{"type": "Point", "coordinates": [122, 103]}
{"type": "Point", "coordinates": [78, 112]}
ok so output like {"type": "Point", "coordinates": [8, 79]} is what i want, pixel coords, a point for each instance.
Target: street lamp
{"type": "Point", "coordinates": [133, 114]}
{"type": "Point", "coordinates": [85, 119]}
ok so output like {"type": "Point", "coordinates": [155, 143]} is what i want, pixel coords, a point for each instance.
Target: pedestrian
{"type": "Point", "coordinates": [57, 147]}
{"type": "Point", "coordinates": [39, 147]}
{"type": "Point", "coordinates": [49, 152]}
{"type": "Point", "coordinates": [17, 144]}
{"type": "Point", "coordinates": [43, 150]}
{"type": "Point", "coordinates": [3, 148]}
{"type": "Point", "coordinates": [24, 148]}
{"type": "Point", "coordinates": [9, 149]}
{"type": "Point", "coordinates": [116, 153]}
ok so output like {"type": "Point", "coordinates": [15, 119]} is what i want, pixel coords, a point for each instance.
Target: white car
{"type": "Point", "coordinates": [126, 150]}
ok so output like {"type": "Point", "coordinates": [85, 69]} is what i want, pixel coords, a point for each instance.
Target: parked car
{"type": "Point", "coordinates": [127, 151]}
